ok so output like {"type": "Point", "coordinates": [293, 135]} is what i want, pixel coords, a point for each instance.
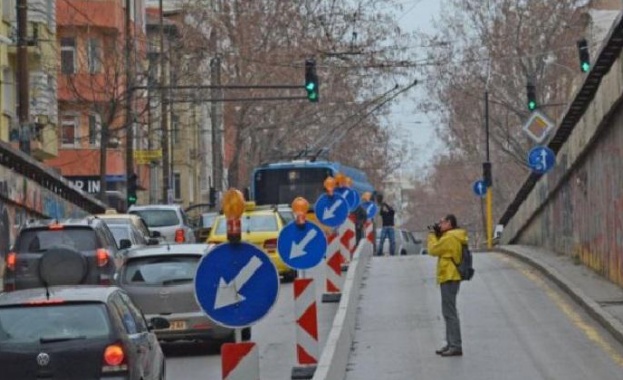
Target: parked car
{"type": "Point", "coordinates": [406, 243]}
{"type": "Point", "coordinates": [260, 226]}
{"type": "Point", "coordinates": [63, 252]}
{"type": "Point", "coordinates": [160, 280]}
{"type": "Point", "coordinates": [115, 219]}
{"type": "Point", "coordinates": [85, 332]}
{"type": "Point", "coordinates": [169, 220]}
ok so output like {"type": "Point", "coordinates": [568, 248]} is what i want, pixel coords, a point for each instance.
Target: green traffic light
{"type": "Point", "coordinates": [312, 96]}
{"type": "Point", "coordinates": [310, 86]}
{"type": "Point", "coordinates": [585, 67]}
{"type": "Point", "coordinates": [531, 105]}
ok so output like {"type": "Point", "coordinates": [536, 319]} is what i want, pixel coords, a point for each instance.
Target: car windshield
{"type": "Point", "coordinates": [168, 270]}
{"type": "Point", "coordinates": [158, 218]}
{"type": "Point", "coordinates": [53, 322]}
{"type": "Point", "coordinates": [39, 240]}
{"type": "Point", "coordinates": [251, 223]}
{"type": "Point", "coordinates": [120, 232]}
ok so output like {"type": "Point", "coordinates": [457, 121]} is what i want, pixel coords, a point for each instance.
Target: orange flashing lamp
{"type": "Point", "coordinates": [348, 182]}
{"type": "Point", "coordinates": [300, 206]}
{"type": "Point", "coordinates": [233, 207]}
{"type": "Point", "coordinates": [329, 185]}
{"type": "Point", "coordinates": [340, 180]}
{"type": "Point", "coordinates": [366, 196]}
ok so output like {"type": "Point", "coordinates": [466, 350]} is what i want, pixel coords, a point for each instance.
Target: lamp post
{"type": "Point", "coordinates": [487, 177]}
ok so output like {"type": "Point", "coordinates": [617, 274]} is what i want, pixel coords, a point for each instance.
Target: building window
{"type": "Point", "coordinates": [68, 55]}
{"type": "Point", "coordinates": [175, 129]}
{"type": "Point", "coordinates": [177, 186]}
{"type": "Point", "coordinates": [69, 130]}
{"type": "Point", "coordinates": [8, 92]}
{"type": "Point", "coordinates": [95, 129]}
{"type": "Point", "coordinates": [94, 55]}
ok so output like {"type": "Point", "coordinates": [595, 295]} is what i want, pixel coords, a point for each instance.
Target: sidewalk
{"type": "Point", "coordinates": [601, 299]}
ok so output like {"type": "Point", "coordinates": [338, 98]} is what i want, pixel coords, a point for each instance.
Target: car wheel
{"type": "Point", "coordinates": [62, 266]}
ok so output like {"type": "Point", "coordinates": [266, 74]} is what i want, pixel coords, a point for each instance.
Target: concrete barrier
{"type": "Point", "coordinates": [336, 352]}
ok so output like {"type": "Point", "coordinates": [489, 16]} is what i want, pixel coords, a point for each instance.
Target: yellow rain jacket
{"type": "Point", "coordinates": [448, 249]}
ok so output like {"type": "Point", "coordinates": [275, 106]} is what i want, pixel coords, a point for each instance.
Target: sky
{"type": "Point", "coordinates": [417, 16]}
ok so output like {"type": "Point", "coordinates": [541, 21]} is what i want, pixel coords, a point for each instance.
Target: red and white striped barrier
{"type": "Point", "coordinates": [348, 238]}
{"type": "Point", "coordinates": [368, 231]}
{"type": "Point", "coordinates": [306, 321]}
{"type": "Point", "coordinates": [240, 361]}
{"type": "Point", "coordinates": [334, 269]}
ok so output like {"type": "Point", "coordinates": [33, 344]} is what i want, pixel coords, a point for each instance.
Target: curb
{"type": "Point", "coordinates": [336, 353]}
{"type": "Point", "coordinates": [609, 322]}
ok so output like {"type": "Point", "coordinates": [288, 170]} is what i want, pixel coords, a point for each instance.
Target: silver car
{"type": "Point", "coordinates": [406, 243]}
{"type": "Point", "coordinates": [160, 280]}
{"type": "Point", "coordinates": [169, 220]}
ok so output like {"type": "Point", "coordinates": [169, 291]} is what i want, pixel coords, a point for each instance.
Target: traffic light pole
{"type": "Point", "coordinates": [488, 178]}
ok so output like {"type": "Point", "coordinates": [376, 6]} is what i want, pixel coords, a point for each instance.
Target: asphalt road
{"type": "Point", "coordinates": [516, 324]}
{"type": "Point", "coordinates": [274, 335]}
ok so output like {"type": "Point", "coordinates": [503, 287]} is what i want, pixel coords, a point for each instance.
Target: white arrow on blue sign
{"type": "Point", "coordinates": [301, 247]}
{"type": "Point", "coordinates": [351, 196]}
{"type": "Point", "coordinates": [480, 188]}
{"type": "Point", "coordinates": [236, 284]}
{"type": "Point", "coordinates": [332, 210]}
{"type": "Point", "coordinates": [371, 209]}
{"type": "Point", "coordinates": [541, 159]}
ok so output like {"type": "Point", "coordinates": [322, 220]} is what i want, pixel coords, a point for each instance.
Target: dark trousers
{"type": "Point", "coordinates": [449, 291]}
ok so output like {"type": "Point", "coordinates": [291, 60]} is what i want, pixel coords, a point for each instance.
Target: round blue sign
{"type": "Point", "coordinates": [351, 196]}
{"type": "Point", "coordinates": [480, 188]}
{"type": "Point", "coordinates": [541, 159]}
{"type": "Point", "coordinates": [371, 209]}
{"type": "Point", "coordinates": [236, 284]}
{"type": "Point", "coordinates": [301, 247]}
{"type": "Point", "coordinates": [332, 210]}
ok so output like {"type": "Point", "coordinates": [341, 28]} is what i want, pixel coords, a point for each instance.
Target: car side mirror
{"type": "Point", "coordinates": [158, 323]}
{"type": "Point", "coordinates": [125, 244]}
{"type": "Point", "coordinates": [153, 241]}
{"type": "Point", "coordinates": [155, 234]}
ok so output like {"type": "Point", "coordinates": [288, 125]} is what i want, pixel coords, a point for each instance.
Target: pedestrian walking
{"type": "Point", "coordinates": [387, 232]}
{"type": "Point", "coordinates": [445, 241]}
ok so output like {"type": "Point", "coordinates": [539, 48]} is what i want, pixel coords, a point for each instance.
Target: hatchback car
{"type": "Point", "coordinates": [85, 332]}
{"type": "Point", "coordinates": [259, 226]}
{"type": "Point", "coordinates": [160, 280]}
{"type": "Point", "coordinates": [169, 220]}
{"type": "Point", "coordinates": [62, 252]}
{"type": "Point", "coordinates": [137, 223]}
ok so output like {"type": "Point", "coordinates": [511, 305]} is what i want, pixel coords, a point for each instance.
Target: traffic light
{"type": "Point", "coordinates": [585, 59]}
{"type": "Point", "coordinates": [131, 189]}
{"type": "Point", "coordinates": [532, 104]}
{"type": "Point", "coordinates": [311, 80]}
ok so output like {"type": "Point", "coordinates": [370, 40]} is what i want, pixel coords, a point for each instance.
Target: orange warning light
{"type": "Point", "coordinates": [348, 182]}
{"type": "Point", "coordinates": [233, 204]}
{"type": "Point", "coordinates": [366, 196]}
{"type": "Point", "coordinates": [340, 179]}
{"type": "Point", "coordinates": [329, 185]}
{"type": "Point", "coordinates": [300, 206]}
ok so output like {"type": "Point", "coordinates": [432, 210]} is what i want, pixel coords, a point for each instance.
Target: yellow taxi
{"type": "Point", "coordinates": [260, 225]}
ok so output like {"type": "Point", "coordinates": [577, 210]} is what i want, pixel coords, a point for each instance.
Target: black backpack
{"type": "Point", "coordinates": [465, 267]}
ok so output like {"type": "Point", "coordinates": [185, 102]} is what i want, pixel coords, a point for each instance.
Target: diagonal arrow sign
{"type": "Point", "coordinates": [298, 250]}
{"type": "Point", "coordinates": [330, 212]}
{"type": "Point", "coordinates": [227, 292]}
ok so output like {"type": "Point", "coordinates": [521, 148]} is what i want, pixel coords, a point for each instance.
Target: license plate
{"type": "Point", "coordinates": [177, 325]}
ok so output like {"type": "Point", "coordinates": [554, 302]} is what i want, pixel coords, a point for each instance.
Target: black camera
{"type": "Point", "coordinates": [436, 228]}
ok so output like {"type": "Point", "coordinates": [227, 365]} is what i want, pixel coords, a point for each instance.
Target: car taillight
{"type": "Point", "coordinates": [114, 359]}
{"type": "Point", "coordinates": [179, 236]}
{"type": "Point", "coordinates": [11, 260]}
{"type": "Point", "coordinates": [270, 244]}
{"type": "Point", "coordinates": [102, 257]}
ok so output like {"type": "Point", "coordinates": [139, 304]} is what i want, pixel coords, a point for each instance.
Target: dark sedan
{"type": "Point", "coordinates": [85, 332]}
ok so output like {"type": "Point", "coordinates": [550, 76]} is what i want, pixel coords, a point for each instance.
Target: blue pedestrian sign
{"type": "Point", "coordinates": [541, 159]}
{"type": "Point", "coordinates": [301, 247]}
{"type": "Point", "coordinates": [371, 209]}
{"type": "Point", "coordinates": [332, 210]}
{"type": "Point", "coordinates": [236, 284]}
{"type": "Point", "coordinates": [480, 188]}
{"type": "Point", "coordinates": [351, 196]}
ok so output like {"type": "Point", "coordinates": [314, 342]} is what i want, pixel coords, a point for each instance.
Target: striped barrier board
{"type": "Point", "coordinates": [306, 328]}
{"type": "Point", "coordinates": [240, 361]}
{"type": "Point", "coordinates": [368, 229]}
{"type": "Point", "coordinates": [334, 269]}
{"type": "Point", "coordinates": [347, 238]}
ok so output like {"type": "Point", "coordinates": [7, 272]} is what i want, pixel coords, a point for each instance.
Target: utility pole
{"type": "Point", "coordinates": [215, 121]}
{"type": "Point", "coordinates": [22, 76]}
{"type": "Point", "coordinates": [129, 122]}
{"type": "Point", "coordinates": [164, 125]}
{"type": "Point", "coordinates": [487, 176]}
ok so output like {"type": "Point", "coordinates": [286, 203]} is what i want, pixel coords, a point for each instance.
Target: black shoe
{"type": "Point", "coordinates": [452, 352]}
{"type": "Point", "coordinates": [442, 350]}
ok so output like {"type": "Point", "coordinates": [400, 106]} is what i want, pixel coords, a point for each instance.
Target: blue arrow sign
{"type": "Point", "coordinates": [480, 188]}
{"type": "Point", "coordinates": [541, 159]}
{"type": "Point", "coordinates": [371, 208]}
{"type": "Point", "coordinates": [301, 247]}
{"type": "Point", "coordinates": [236, 284]}
{"type": "Point", "coordinates": [351, 196]}
{"type": "Point", "coordinates": [331, 211]}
